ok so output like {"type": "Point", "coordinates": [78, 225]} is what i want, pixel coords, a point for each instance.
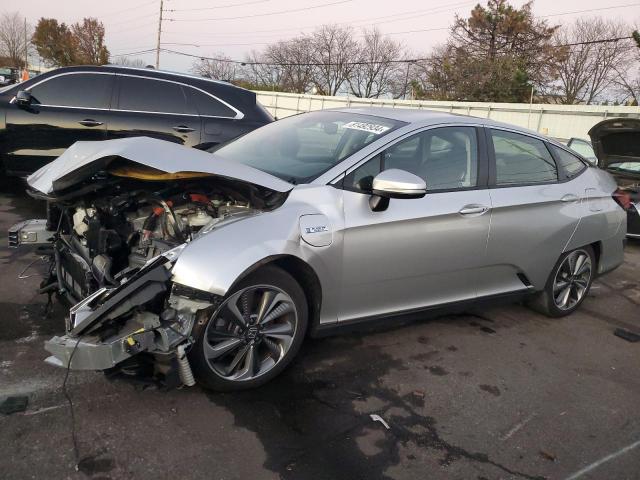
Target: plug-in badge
{"type": "Point", "coordinates": [316, 230]}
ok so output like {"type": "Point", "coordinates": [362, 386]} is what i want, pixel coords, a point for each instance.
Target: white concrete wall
{"type": "Point", "coordinates": [558, 121]}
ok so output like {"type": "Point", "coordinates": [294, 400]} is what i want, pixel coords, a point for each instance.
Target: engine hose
{"type": "Point", "coordinates": [184, 369]}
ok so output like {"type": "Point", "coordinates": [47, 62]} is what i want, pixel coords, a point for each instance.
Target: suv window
{"type": "Point", "coordinates": [584, 148]}
{"type": "Point", "coordinates": [151, 95]}
{"type": "Point", "coordinates": [88, 90]}
{"type": "Point", "coordinates": [446, 158]}
{"type": "Point", "coordinates": [521, 159]}
{"type": "Point", "coordinates": [569, 163]}
{"type": "Point", "coordinates": [209, 106]}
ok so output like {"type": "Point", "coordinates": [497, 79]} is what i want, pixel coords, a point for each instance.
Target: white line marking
{"type": "Point", "coordinates": [595, 465]}
{"type": "Point", "coordinates": [517, 427]}
{"type": "Point", "coordinates": [46, 409]}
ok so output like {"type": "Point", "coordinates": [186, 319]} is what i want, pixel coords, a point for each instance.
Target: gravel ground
{"type": "Point", "coordinates": [496, 393]}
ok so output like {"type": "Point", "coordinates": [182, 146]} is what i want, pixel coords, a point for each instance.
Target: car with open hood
{"type": "Point", "coordinates": [186, 265]}
{"type": "Point", "coordinates": [616, 142]}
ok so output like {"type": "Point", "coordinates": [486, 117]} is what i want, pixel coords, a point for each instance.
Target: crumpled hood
{"type": "Point", "coordinates": [616, 142]}
{"type": "Point", "coordinates": [84, 159]}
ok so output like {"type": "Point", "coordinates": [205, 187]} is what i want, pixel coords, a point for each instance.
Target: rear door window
{"type": "Point", "coordinates": [86, 90]}
{"type": "Point", "coordinates": [150, 95]}
{"type": "Point", "coordinates": [521, 160]}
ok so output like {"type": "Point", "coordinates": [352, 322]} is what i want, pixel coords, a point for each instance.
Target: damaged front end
{"type": "Point", "coordinates": [119, 213]}
{"type": "Point", "coordinates": [143, 327]}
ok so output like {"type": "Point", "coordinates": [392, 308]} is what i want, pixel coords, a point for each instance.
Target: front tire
{"type": "Point", "coordinates": [253, 335]}
{"type": "Point", "coordinates": [568, 284]}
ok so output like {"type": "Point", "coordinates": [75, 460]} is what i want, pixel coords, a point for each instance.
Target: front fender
{"type": "Point", "coordinates": [214, 262]}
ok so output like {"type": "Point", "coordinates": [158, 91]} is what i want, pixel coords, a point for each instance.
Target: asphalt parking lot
{"type": "Point", "coordinates": [496, 393]}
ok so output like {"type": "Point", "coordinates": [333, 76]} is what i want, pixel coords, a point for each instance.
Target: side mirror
{"type": "Point", "coordinates": [395, 183]}
{"type": "Point", "coordinates": [23, 98]}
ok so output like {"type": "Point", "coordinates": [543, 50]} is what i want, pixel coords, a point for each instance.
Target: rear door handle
{"type": "Point", "coordinates": [89, 122]}
{"type": "Point", "coordinates": [570, 197]}
{"type": "Point", "coordinates": [183, 129]}
{"type": "Point", "coordinates": [473, 210]}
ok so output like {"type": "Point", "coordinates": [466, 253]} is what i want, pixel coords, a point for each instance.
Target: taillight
{"type": "Point", "coordinates": [622, 198]}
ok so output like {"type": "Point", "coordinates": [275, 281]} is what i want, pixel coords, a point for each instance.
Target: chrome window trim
{"type": "Point", "coordinates": [239, 114]}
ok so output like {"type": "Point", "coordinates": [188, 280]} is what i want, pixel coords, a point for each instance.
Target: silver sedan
{"type": "Point", "coordinates": [348, 216]}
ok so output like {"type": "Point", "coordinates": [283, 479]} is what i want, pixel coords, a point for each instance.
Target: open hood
{"type": "Point", "coordinates": [616, 142]}
{"type": "Point", "coordinates": [84, 159]}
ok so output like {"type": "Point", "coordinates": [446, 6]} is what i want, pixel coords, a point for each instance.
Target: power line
{"type": "Point", "coordinates": [431, 10]}
{"type": "Point", "coordinates": [217, 7]}
{"type": "Point", "coordinates": [590, 10]}
{"type": "Point", "coordinates": [437, 9]}
{"type": "Point", "coordinates": [319, 64]}
{"type": "Point", "coordinates": [135, 53]}
{"type": "Point", "coordinates": [242, 17]}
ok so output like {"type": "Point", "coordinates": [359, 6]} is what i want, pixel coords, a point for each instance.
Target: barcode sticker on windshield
{"type": "Point", "coordinates": [367, 127]}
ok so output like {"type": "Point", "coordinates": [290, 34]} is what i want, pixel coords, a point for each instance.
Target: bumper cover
{"type": "Point", "coordinates": [30, 232]}
{"type": "Point", "coordinates": [89, 354]}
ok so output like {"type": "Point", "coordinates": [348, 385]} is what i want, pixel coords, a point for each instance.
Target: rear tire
{"type": "Point", "coordinates": [254, 334]}
{"type": "Point", "coordinates": [567, 285]}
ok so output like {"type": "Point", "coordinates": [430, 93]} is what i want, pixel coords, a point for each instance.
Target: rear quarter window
{"type": "Point", "coordinates": [571, 165]}
{"type": "Point", "coordinates": [209, 106]}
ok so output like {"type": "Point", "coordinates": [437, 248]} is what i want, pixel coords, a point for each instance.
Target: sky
{"type": "Point", "coordinates": [235, 27]}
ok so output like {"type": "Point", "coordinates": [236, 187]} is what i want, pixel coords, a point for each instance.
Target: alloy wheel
{"type": "Point", "coordinates": [250, 333]}
{"type": "Point", "coordinates": [572, 280]}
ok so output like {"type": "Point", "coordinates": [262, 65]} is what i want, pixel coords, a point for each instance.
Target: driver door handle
{"type": "Point", "coordinates": [89, 122]}
{"type": "Point", "coordinates": [473, 210]}
{"type": "Point", "coordinates": [183, 129]}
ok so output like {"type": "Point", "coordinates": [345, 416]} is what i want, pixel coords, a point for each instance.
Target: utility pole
{"type": "Point", "coordinates": [159, 33]}
{"type": "Point", "coordinates": [26, 47]}
{"type": "Point", "coordinates": [530, 105]}
{"type": "Point", "coordinates": [406, 80]}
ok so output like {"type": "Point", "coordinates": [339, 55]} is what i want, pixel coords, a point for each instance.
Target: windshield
{"type": "Point", "coordinates": [298, 149]}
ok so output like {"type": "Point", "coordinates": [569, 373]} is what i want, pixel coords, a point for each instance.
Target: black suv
{"type": "Point", "coordinates": [43, 116]}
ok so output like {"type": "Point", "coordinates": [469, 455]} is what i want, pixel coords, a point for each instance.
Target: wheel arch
{"type": "Point", "coordinates": [302, 272]}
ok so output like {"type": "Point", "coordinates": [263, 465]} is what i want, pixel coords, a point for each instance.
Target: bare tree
{"type": "Point", "coordinates": [130, 62]}
{"type": "Point", "coordinates": [334, 49]}
{"type": "Point", "coordinates": [626, 79]}
{"type": "Point", "coordinates": [379, 69]}
{"type": "Point", "coordinates": [220, 67]}
{"type": "Point", "coordinates": [261, 74]}
{"type": "Point", "coordinates": [293, 59]}
{"type": "Point", "coordinates": [588, 67]}
{"type": "Point", "coordinates": [12, 37]}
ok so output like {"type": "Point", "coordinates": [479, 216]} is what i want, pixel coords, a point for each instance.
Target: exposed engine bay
{"type": "Point", "coordinates": [114, 230]}
{"type": "Point", "coordinates": [109, 234]}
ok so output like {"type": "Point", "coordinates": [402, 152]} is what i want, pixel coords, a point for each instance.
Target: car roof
{"type": "Point", "coordinates": [150, 72]}
{"type": "Point", "coordinates": [423, 117]}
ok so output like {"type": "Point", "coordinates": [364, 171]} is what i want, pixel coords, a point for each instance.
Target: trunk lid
{"type": "Point", "coordinates": [616, 143]}
{"type": "Point", "coordinates": [84, 159]}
